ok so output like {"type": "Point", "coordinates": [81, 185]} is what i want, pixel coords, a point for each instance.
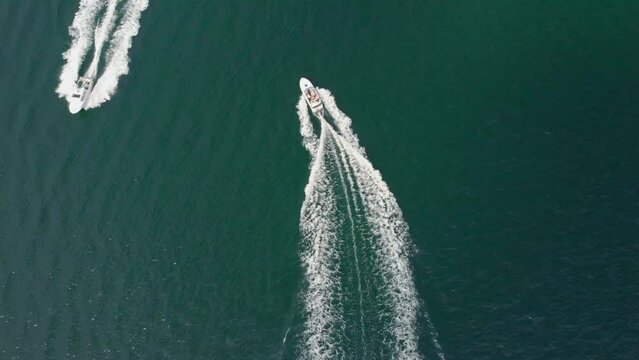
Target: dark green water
{"type": "Point", "coordinates": [165, 224]}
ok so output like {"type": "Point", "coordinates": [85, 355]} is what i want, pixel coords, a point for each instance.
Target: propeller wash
{"type": "Point", "coordinates": [99, 22]}
{"type": "Point", "coordinates": [359, 296]}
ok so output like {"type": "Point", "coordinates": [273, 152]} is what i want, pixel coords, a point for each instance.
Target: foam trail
{"type": "Point", "coordinates": [81, 32]}
{"type": "Point", "coordinates": [106, 25]}
{"type": "Point", "coordinates": [117, 59]}
{"type": "Point", "coordinates": [101, 32]}
{"type": "Point", "coordinates": [389, 238]}
{"type": "Point", "coordinates": [309, 140]}
{"type": "Point", "coordinates": [349, 176]}
{"type": "Point", "coordinates": [353, 237]}
{"type": "Point", "coordinates": [341, 120]}
{"type": "Point", "coordinates": [386, 220]}
{"type": "Point", "coordinates": [324, 319]}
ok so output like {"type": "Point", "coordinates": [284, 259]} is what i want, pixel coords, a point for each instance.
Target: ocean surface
{"type": "Point", "coordinates": [169, 220]}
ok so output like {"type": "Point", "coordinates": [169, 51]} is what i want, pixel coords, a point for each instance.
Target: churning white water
{"type": "Point", "coordinates": [98, 23]}
{"type": "Point", "coordinates": [372, 222]}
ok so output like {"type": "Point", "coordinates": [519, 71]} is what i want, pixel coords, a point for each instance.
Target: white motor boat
{"type": "Point", "coordinates": [312, 97]}
{"type": "Point", "coordinates": [80, 95]}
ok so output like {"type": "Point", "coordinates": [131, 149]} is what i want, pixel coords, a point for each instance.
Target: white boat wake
{"type": "Point", "coordinates": [354, 234]}
{"type": "Point", "coordinates": [87, 30]}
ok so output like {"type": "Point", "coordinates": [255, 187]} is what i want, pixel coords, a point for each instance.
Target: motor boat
{"type": "Point", "coordinates": [81, 94]}
{"type": "Point", "coordinates": [312, 97]}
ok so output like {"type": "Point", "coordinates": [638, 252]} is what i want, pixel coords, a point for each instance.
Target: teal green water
{"type": "Point", "coordinates": [165, 224]}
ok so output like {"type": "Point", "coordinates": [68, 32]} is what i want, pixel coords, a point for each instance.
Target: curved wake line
{"type": "Point", "coordinates": [434, 335]}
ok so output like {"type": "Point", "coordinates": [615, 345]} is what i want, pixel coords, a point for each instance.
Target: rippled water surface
{"type": "Point", "coordinates": [164, 223]}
